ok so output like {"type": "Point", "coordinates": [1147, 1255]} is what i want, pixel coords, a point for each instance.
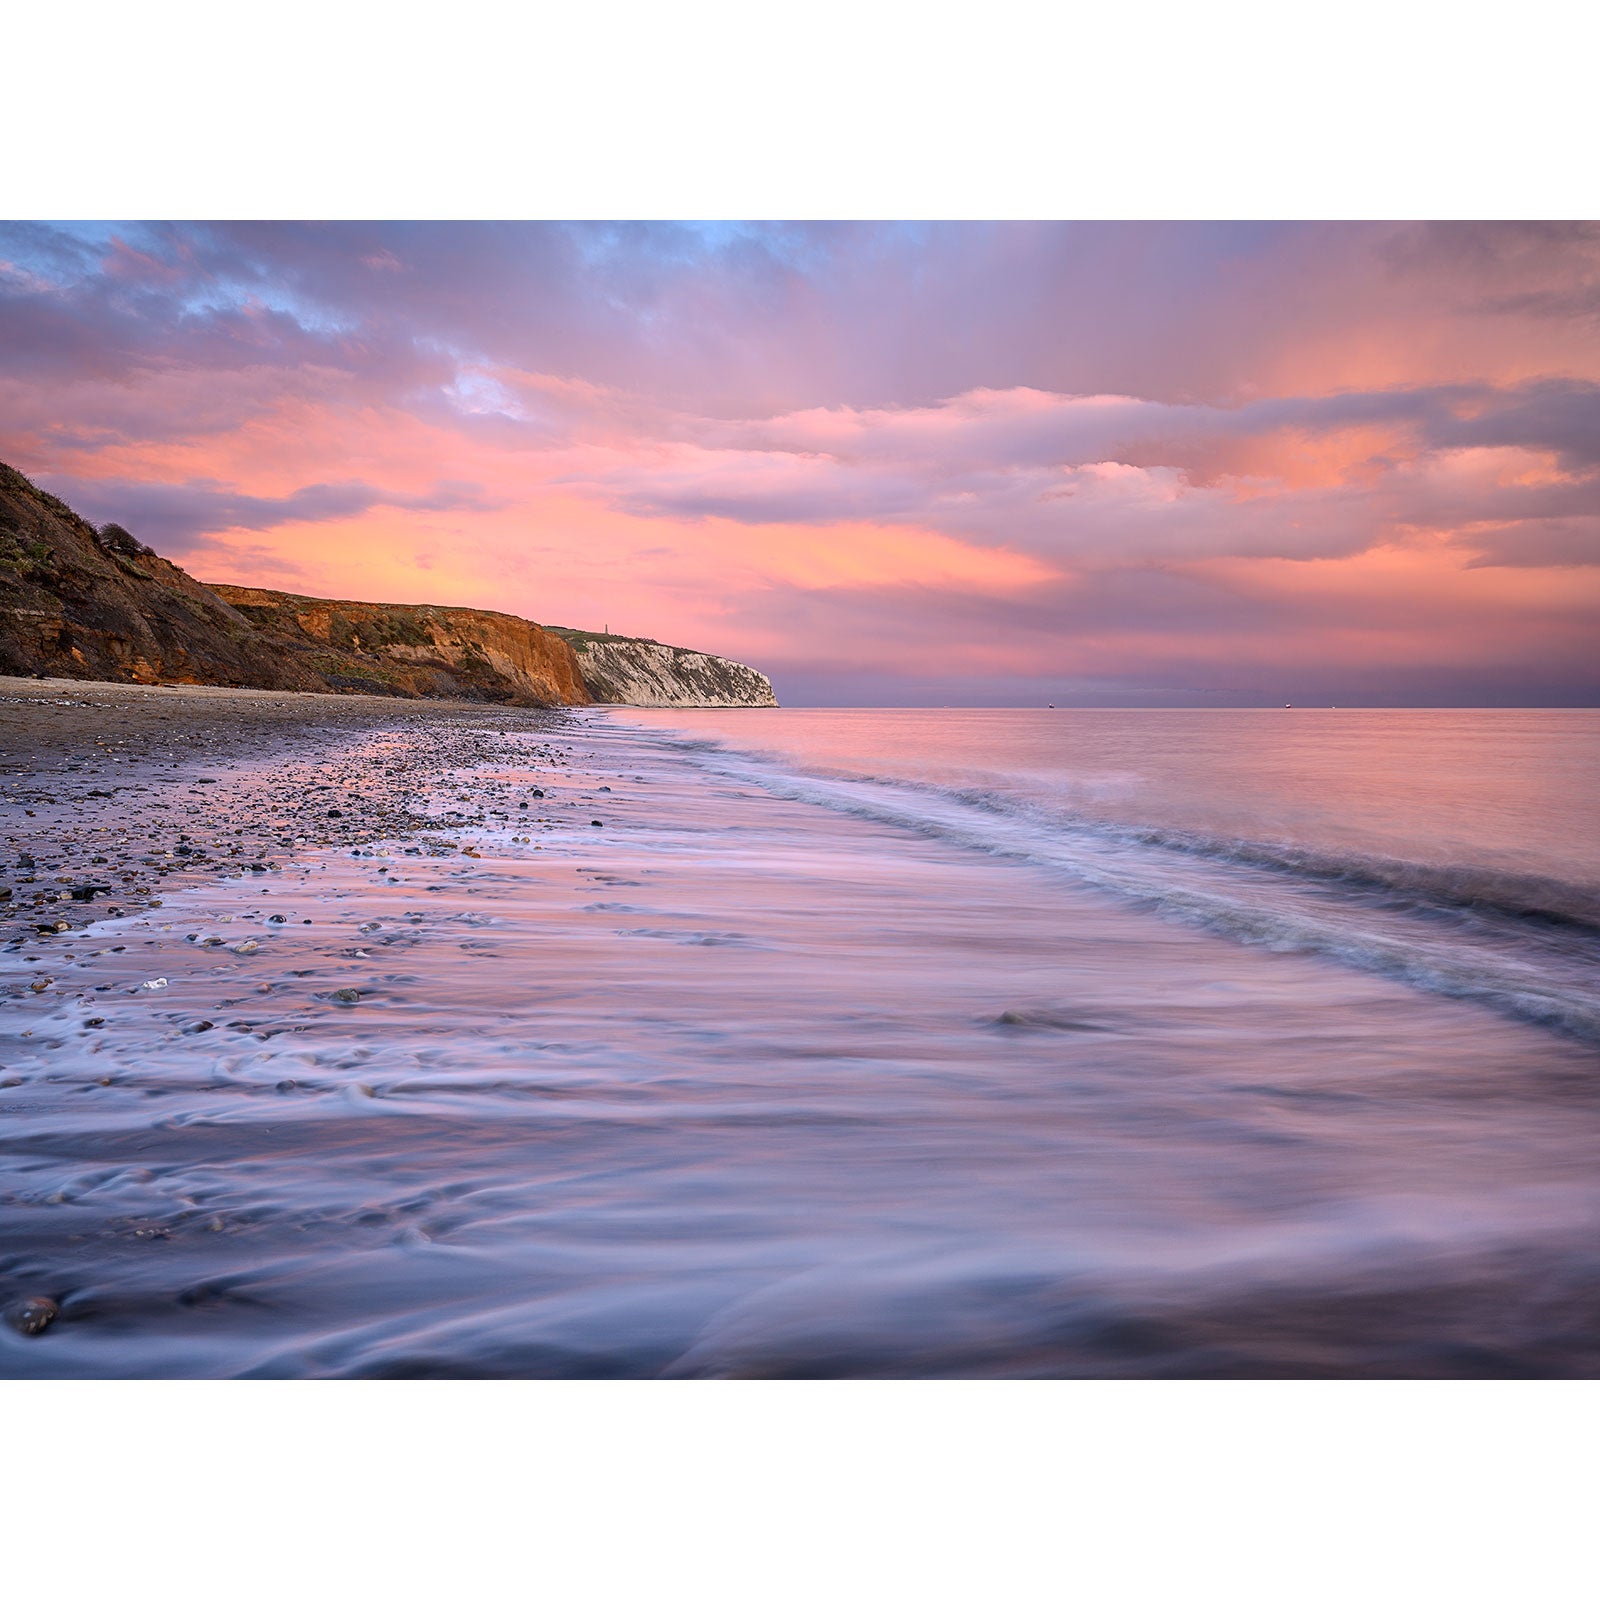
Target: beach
{"type": "Point", "coordinates": [130, 789]}
{"type": "Point", "coordinates": [743, 1081]}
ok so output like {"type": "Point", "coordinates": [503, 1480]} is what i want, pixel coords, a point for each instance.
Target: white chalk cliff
{"type": "Point", "coordinates": [641, 672]}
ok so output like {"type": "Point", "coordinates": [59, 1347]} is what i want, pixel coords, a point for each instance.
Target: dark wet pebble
{"type": "Point", "coordinates": [1061, 1021]}
{"type": "Point", "coordinates": [31, 1317]}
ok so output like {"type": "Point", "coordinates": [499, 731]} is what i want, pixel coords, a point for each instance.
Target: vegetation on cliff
{"type": "Point", "coordinates": [429, 652]}
{"type": "Point", "coordinates": [78, 601]}
{"type": "Point", "coordinates": [83, 602]}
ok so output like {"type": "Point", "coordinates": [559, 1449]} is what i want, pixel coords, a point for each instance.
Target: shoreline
{"type": "Point", "coordinates": [733, 1085]}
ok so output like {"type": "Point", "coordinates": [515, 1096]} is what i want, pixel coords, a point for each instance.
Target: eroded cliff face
{"type": "Point", "coordinates": [82, 602]}
{"type": "Point", "coordinates": [641, 672]}
{"type": "Point", "coordinates": [429, 652]}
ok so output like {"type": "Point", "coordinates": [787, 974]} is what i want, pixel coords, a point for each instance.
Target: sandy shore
{"type": "Point", "coordinates": [112, 793]}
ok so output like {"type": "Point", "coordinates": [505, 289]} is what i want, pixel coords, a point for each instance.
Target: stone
{"type": "Point", "coordinates": [32, 1316]}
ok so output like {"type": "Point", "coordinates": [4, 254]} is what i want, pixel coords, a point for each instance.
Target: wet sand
{"type": "Point", "coordinates": [736, 1086]}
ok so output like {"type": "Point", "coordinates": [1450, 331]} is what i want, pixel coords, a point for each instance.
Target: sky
{"type": "Point", "coordinates": [889, 464]}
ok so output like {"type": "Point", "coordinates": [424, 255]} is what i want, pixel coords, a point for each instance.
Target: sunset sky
{"type": "Point", "coordinates": [982, 464]}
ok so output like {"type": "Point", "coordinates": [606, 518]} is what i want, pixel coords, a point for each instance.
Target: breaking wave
{"type": "Point", "coordinates": [1528, 945]}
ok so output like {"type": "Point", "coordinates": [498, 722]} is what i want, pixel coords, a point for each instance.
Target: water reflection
{"type": "Point", "coordinates": [739, 1086]}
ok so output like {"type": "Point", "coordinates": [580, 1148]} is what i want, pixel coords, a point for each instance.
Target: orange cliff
{"type": "Point", "coordinates": [432, 652]}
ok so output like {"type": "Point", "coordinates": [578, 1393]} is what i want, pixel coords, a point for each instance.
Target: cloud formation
{"type": "Point", "coordinates": [1156, 462]}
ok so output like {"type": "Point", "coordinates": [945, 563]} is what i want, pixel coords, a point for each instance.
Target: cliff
{"type": "Point", "coordinates": [642, 672]}
{"type": "Point", "coordinates": [82, 602]}
{"type": "Point", "coordinates": [423, 652]}
{"type": "Point", "coordinates": [78, 601]}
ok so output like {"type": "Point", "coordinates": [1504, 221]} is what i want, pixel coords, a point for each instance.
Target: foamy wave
{"type": "Point", "coordinates": [1521, 943]}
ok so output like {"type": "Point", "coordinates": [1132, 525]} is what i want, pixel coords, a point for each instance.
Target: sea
{"type": "Point", "coordinates": [1456, 850]}
{"type": "Point", "coordinates": [854, 1043]}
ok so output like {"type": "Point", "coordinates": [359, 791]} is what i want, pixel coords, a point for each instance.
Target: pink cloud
{"type": "Point", "coordinates": [1006, 451]}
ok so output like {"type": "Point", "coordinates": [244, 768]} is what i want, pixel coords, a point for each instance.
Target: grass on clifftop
{"type": "Point", "coordinates": [584, 636]}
